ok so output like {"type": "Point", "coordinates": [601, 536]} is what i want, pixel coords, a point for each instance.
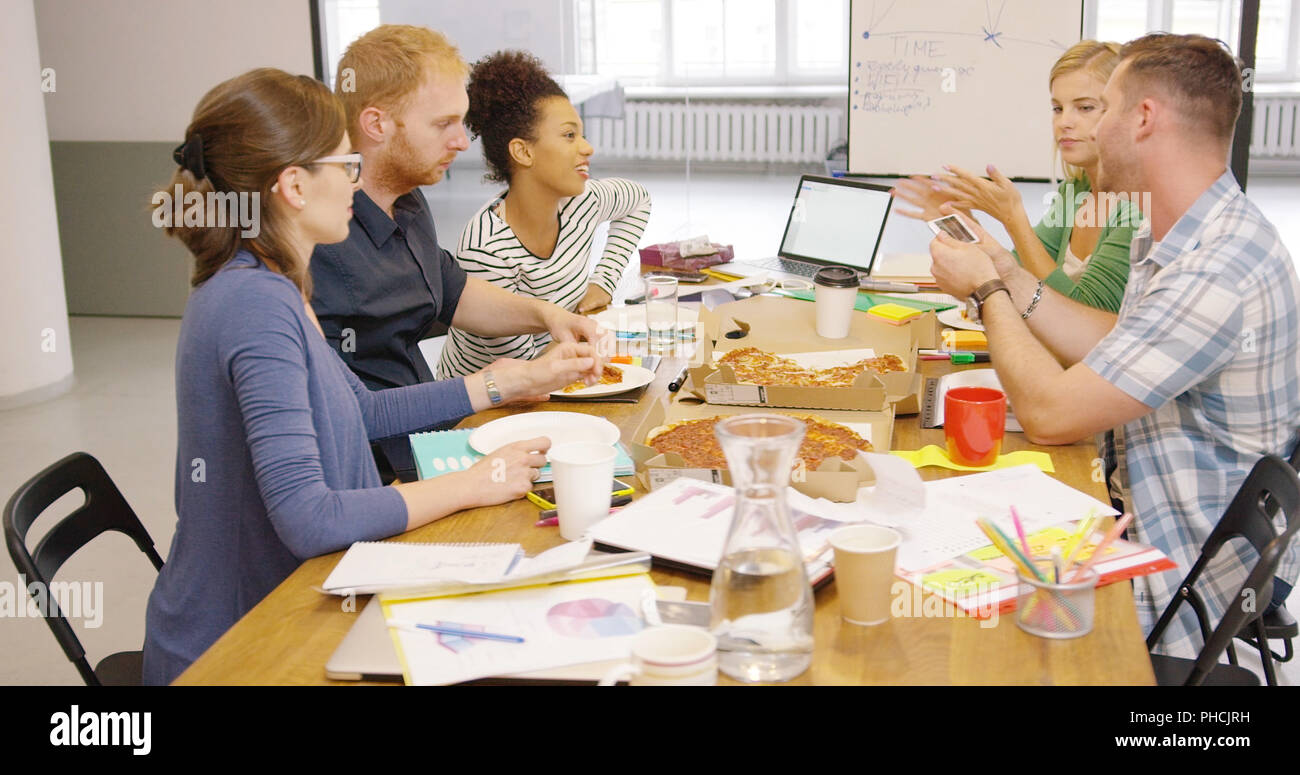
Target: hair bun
{"type": "Point", "coordinates": [189, 155]}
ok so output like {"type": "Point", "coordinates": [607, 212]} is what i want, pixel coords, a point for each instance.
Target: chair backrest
{"type": "Point", "coordinates": [1272, 485]}
{"type": "Point", "coordinates": [1250, 601]}
{"type": "Point", "coordinates": [105, 509]}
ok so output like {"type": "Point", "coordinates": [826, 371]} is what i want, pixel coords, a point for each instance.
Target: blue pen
{"type": "Point", "coordinates": [438, 628]}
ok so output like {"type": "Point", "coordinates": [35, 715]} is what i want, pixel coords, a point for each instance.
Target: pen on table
{"type": "Point", "coordinates": [885, 286]}
{"type": "Point", "coordinates": [402, 624]}
{"type": "Point", "coordinates": [957, 356]}
{"type": "Point", "coordinates": [679, 380]}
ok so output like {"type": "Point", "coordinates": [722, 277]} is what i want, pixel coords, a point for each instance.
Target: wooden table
{"type": "Point", "coordinates": [289, 636]}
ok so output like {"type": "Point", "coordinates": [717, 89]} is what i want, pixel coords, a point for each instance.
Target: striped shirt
{"type": "Point", "coordinates": [1208, 336]}
{"type": "Point", "coordinates": [489, 250]}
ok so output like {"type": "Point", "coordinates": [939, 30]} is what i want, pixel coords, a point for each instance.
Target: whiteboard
{"type": "Point", "coordinates": [962, 82]}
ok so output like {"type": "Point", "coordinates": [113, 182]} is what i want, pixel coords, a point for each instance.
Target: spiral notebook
{"type": "Point", "coordinates": [372, 566]}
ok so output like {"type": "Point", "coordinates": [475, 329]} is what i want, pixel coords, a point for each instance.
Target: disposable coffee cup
{"type": "Point", "coordinates": [835, 289]}
{"type": "Point", "coordinates": [582, 472]}
{"type": "Point", "coordinates": [671, 655]}
{"type": "Point", "coordinates": [864, 571]}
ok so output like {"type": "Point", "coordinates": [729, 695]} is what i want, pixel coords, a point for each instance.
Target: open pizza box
{"type": "Point", "coordinates": [835, 480]}
{"type": "Point", "coordinates": [789, 327]}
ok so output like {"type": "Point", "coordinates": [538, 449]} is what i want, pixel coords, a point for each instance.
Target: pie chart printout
{"type": "Point", "coordinates": [593, 618]}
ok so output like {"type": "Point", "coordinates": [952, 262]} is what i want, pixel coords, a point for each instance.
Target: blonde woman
{"type": "Point", "coordinates": [1080, 247]}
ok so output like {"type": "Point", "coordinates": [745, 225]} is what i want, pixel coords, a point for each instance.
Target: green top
{"type": "Point", "coordinates": [1106, 272]}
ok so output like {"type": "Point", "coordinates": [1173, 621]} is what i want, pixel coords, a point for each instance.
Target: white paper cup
{"type": "Point", "coordinates": [582, 472]}
{"type": "Point", "coordinates": [670, 655]}
{"type": "Point", "coordinates": [864, 571]}
{"type": "Point", "coordinates": [835, 290]}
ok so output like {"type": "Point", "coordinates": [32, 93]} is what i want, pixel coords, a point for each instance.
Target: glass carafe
{"type": "Point", "coordinates": [761, 602]}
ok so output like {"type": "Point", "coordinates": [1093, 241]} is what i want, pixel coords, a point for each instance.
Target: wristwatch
{"type": "Point", "coordinates": [975, 304]}
{"type": "Point", "coordinates": [494, 395]}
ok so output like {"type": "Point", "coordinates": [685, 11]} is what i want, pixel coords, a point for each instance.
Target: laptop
{"type": "Point", "coordinates": [832, 222]}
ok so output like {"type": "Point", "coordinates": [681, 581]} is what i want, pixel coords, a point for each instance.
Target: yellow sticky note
{"type": "Point", "coordinates": [932, 455]}
{"type": "Point", "coordinates": [1040, 544]}
{"type": "Point", "coordinates": [959, 582]}
{"type": "Point", "coordinates": [894, 313]}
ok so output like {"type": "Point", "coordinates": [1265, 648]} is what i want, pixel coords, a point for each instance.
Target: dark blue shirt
{"type": "Point", "coordinates": [384, 288]}
{"type": "Point", "coordinates": [272, 460]}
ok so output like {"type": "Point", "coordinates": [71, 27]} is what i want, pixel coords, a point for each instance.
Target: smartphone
{"type": "Point", "coordinates": [544, 494]}
{"type": "Point", "coordinates": [953, 227]}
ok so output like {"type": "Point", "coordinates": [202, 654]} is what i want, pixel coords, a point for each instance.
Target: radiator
{"type": "Point", "coordinates": [749, 132]}
{"type": "Point", "coordinates": [718, 131]}
{"type": "Point", "coordinates": [1276, 128]}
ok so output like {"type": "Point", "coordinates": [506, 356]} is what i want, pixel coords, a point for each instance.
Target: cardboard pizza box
{"type": "Point", "coordinates": [786, 326]}
{"type": "Point", "coordinates": [836, 480]}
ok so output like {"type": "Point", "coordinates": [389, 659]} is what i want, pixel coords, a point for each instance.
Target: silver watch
{"type": "Point", "coordinates": [494, 395]}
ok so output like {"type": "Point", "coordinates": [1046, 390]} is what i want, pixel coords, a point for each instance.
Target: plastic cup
{"type": "Point", "coordinates": [661, 312]}
{"type": "Point", "coordinates": [1056, 610]}
{"type": "Point", "coordinates": [864, 571]}
{"type": "Point", "coordinates": [835, 290]}
{"type": "Point", "coordinates": [582, 472]}
{"type": "Point", "coordinates": [670, 655]}
{"type": "Point", "coordinates": [974, 421]}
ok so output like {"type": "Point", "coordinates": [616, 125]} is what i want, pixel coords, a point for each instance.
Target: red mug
{"type": "Point", "coordinates": [974, 420]}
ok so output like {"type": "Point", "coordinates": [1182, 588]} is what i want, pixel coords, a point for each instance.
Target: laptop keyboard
{"type": "Point", "coordinates": [786, 265]}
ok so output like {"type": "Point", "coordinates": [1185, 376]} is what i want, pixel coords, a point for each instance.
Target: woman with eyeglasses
{"type": "Point", "coordinates": [273, 460]}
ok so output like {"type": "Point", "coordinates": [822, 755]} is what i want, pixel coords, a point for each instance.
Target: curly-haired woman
{"type": "Point", "coordinates": [535, 237]}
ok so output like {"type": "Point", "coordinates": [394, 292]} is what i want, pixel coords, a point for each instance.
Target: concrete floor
{"type": "Point", "coordinates": [122, 407]}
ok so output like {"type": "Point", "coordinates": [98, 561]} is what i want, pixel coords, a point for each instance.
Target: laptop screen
{"type": "Point", "coordinates": [836, 221]}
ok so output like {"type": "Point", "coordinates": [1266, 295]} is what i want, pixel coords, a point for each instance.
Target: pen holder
{"type": "Point", "coordinates": [1051, 610]}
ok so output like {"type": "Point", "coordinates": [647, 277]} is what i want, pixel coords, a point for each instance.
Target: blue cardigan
{"type": "Point", "coordinates": [273, 461]}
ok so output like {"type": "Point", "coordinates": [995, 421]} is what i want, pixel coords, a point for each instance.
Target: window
{"type": "Point", "coordinates": [1277, 47]}
{"type": "Point", "coordinates": [674, 42]}
{"type": "Point", "coordinates": [344, 21]}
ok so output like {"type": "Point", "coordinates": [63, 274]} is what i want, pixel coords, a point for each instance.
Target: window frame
{"type": "Point", "coordinates": [1160, 14]}
{"type": "Point", "coordinates": [785, 71]}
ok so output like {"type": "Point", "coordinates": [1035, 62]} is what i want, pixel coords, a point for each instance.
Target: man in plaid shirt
{"type": "Point", "coordinates": [1199, 374]}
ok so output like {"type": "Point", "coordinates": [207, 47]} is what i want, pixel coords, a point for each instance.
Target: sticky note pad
{"type": "Point", "coordinates": [954, 339]}
{"type": "Point", "coordinates": [896, 314]}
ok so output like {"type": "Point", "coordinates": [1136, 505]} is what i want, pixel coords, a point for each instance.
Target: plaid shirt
{"type": "Point", "coordinates": [1208, 336]}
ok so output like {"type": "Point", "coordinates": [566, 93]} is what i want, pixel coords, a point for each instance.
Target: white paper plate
{"type": "Point", "coordinates": [559, 427]}
{"type": "Point", "coordinates": [633, 378]}
{"type": "Point", "coordinates": [953, 319]}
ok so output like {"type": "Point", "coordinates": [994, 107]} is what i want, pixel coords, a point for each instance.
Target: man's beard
{"type": "Point", "coordinates": [401, 168]}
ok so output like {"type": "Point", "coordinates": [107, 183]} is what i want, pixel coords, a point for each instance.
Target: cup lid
{"type": "Point", "coordinates": [836, 277]}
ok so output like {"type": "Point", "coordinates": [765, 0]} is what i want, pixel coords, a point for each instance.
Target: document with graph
{"type": "Point", "coordinates": [560, 624]}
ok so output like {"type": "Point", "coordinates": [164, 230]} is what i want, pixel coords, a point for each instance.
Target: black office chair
{"type": "Point", "coordinates": [1271, 485]}
{"type": "Point", "coordinates": [1280, 624]}
{"type": "Point", "coordinates": [105, 509]}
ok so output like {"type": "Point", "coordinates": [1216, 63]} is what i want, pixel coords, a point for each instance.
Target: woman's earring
{"type": "Point", "coordinates": [302, 202]}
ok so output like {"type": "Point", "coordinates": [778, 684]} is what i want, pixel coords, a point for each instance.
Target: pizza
{"type": "Point", "coordinates": [757, 367]}
{"type": "Point", "coordinates": [608, 376]}
{"type": "Point", "coordinates": [696, 442]}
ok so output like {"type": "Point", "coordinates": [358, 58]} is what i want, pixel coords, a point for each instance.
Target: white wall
{"type": "Point", "coordinates": [133, 70]}
{"type": "Point", "coordinates": [35, 350]}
